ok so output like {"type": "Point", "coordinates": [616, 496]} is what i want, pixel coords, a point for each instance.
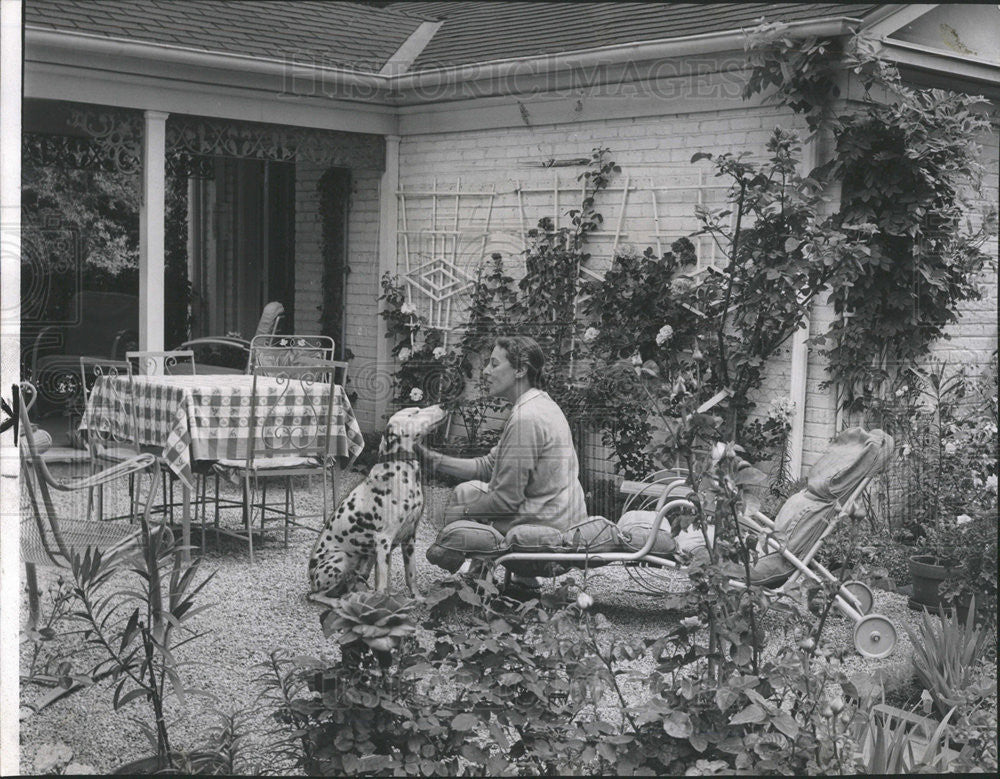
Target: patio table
{"type": "Point", "coordinates": [199, 418]}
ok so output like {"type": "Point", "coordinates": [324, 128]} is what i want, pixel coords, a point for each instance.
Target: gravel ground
{"type": "Point", "coordinates": [255, 609]}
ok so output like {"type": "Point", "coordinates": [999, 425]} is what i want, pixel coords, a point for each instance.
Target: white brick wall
{"type": "Point", "coordinates": [483, 157]}
{"type": "Point", "coordinates": [362, 281]}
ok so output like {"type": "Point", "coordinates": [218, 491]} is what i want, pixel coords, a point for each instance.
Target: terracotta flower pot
{"type": "Point", "coordinates": [927, 574]}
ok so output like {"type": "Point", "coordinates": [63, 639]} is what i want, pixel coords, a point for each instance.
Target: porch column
{"type": "Point", "coordinates": [797, 385]}
{"type": "Point", "coordinates": [151, 231]}
{"type": "Point", "coordinates": [387, 241]}
{"type": "Point", "coordinates": [10, 372]}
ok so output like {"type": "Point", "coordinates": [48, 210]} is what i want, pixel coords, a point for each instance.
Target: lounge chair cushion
{"type": "Point", "coordinates": [533, 538]}
{"type": "Point", "coordinates": [269, 318]}
{"type": "Point", "coordinates": [466, 538]}
{"type": "Point", "coordinates": [42, 438]}
{"type": "Point", "coordinates": [593, 534]}
{"type": "Point", "coordinates": [635, 527]}
{"type": "Point", "coordinates": [853, 455]}
{"type": "Point", "coordinates": [462, 538]}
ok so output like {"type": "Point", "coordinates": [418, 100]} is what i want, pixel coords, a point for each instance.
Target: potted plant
{"type": "Point", "coordinates": [957, 548]}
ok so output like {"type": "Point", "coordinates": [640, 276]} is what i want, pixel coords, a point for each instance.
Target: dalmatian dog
{"type": "Point", "coordinates": [379, 514]}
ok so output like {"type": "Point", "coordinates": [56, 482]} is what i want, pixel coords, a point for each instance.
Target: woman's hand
{"type": "Point", "coordinates": [428, 457]}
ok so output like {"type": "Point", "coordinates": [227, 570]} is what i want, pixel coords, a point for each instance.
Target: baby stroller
{"type": "Point", "coordinates": [642, 541]}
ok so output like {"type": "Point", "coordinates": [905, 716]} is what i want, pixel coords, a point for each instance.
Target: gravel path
{"type": "Point", "coordinates": [258, 608]}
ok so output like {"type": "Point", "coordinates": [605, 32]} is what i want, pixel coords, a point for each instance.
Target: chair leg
{"type": "Point", "coordinates": [216, 511]}
{"type": "Point", "coordinates": [200, 504]}
{"type": "Point", "coordinates": [263, 506]}
{"type": "Point", "coordinates": [246, 515]}
{"type": "Point", "coordinates": [31, 579]}
{"type": "Point", "coordinates": [288, 515]}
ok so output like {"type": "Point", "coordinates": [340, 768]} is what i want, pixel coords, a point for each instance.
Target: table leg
{"type": "Point", "coordinates": [186, 522]}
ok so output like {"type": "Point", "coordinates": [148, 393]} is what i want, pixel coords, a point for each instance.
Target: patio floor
{"type": "Point", "coordinates": [256, 609]}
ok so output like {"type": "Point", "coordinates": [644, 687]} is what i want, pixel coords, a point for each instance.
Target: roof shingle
{"type": "Point", "coordinates": [478, 31]}
{"type": "Point", "coordinates": [364, 36]}
{"type": "Point", "coordinates": [348, 34]}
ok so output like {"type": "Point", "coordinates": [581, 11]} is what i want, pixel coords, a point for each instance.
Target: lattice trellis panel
{"type": "Point", "coordinates": [447, 231]}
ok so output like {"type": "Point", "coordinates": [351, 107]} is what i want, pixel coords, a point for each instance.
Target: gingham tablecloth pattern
{"type": "Point", "coordinates": [208, 417]}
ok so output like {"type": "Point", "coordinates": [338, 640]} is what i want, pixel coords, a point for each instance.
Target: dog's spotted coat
{"type": "Point", "coordinates": [378, 515]}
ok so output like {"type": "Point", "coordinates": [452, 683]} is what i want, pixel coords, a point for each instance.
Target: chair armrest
{"type": "Point", "coordinates": [135, 464]}
{"type": "Point", "coordinates": [119, 346]}
{"type": "Point", "coordinates": [39, 345]}
{"type": "Point", "coordinates": [239, 343]}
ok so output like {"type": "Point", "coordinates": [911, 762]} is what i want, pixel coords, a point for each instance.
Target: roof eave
{"type": "Point", "coordinates": [90, 44]}
{"type": "Point", "coordinates": [609, 55]}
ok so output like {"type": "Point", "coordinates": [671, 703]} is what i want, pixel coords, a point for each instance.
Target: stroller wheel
{"type": "Point", "coordinates": [875, 636]}
{"type": "Point", "coordinates": [863, 593]}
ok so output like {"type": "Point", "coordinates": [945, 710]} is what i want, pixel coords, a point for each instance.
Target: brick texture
{"type": "Point", "coordinates": [362, 281]}
{"type": "Point", "coordinates": [653, 152]}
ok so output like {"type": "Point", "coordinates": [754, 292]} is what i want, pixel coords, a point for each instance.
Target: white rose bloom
{"type": "Point", "coordinates": [416, 394]}
{"type": "Point", "coordinates": [404, 354]}
{"type": "Point", "coordinates": [636, 360]}
{"type": "Point", "coordinates": [781, 409]}
{"type": "Point", "coordinates": [665, 334]}
{"type": "Point", "coordinates": [440, 352]}
{"type": "Point", "coordinates": [590, 335]}
{"type": "Point", "coordinates": [963, 519]}
{"type": "Point", "coordinates": [991, 482]}
{"type": "Point", "coordinates": [408, 308]}
{"type": "Point", "coordinates": [950, 448]}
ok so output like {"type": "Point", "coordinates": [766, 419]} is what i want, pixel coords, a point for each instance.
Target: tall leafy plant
{"type": "Point", "coordinates": [905, 159]}
{"type": "Point", "coordinates": [139, 630]}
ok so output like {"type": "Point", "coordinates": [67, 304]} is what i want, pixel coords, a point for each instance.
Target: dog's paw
{"type": "Point", "coordinates": [320, 599]}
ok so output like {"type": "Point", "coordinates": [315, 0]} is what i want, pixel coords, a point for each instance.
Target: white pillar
{"type": "Point", "coordinates": [797, 393]}
{"type": "Point", "coordinates": [151, 231]}
{"type": "Point", "coordinates": [387, 261]}
{"type": "Point", "coordinates": [797, 384]}
{"type": "Point", "coordinates": [10, 372]}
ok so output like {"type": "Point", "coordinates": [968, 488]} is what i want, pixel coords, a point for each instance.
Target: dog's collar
{"type": "Point", "coordinates": [397, 457]}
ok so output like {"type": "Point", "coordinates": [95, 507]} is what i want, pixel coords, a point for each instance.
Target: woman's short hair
{"type": "Point", "coordinates": [523, 351]}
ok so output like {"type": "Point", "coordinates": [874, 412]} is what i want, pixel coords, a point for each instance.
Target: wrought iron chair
{"type": "Point", "coordinates": [287, 439]}
{"type": "Point", "coordinates": [48, 535]}
{"type": "Point", "coordinates": [103, 324]}
{"type": "Point", "coordinates": [278, 350]}
{"type": "Point", "coordinates": [178, 362]}
{"type": "Point", "coordinates": [111, 437]}
{"type": "Point", "coordinates": [229, 354]}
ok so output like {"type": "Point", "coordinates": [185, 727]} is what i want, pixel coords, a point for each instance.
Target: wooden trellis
{"type": "Point", "coordinates": [445, 233]}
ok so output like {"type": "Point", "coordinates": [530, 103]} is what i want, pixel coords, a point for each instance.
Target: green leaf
{"type": "Point", "coordinates": [678, 724]}
{"type": "Point", "coordinates": [751, 715]}
{"type": "Point", "coordinates": [725, 697]}
{"type": "Point", "coordinates": [784, 722]}
{"type": "Point", "coordinates": [464, 722]}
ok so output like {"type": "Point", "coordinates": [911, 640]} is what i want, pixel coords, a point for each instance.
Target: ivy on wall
{"type": "Point", "coordinates": [904, 158]}
{"type": "Point", "coordinates": [334, 197]}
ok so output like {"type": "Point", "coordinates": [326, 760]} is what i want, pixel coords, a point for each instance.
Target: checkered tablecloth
{"type": "Point", "coordinates": [208, 417]}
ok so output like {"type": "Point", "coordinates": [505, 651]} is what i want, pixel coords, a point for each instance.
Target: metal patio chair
{"type": "Point", "coordinates": [278, 350]}
{"type": "Point", "coordinates": [231, 352]}
{"type": "Point", "coordinates": [176, 362]}
{"type": "Point", "coordinates": [111, 437]}
{"type": "Point", "coordinates": [50, 535]}
{"type": "Point", "coordinates": [286, 441]}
